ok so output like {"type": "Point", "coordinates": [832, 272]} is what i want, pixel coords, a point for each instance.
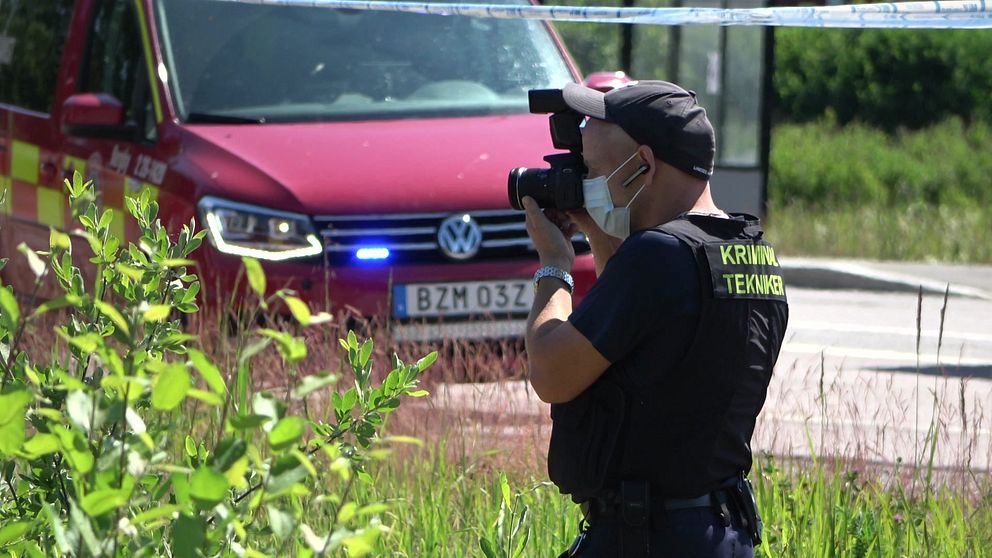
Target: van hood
{"type": "Point", "coordinates": [394, 166]}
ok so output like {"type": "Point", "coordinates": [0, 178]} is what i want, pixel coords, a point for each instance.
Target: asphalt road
{"type": "Point", "coordinates": [850, 381]}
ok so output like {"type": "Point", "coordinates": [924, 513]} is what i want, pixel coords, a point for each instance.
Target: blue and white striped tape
{"type": "Point", "coordinates": [901, 15]}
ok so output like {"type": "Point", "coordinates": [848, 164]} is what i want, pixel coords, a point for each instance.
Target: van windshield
{"type": "Point", "coordinates": [241, 62]}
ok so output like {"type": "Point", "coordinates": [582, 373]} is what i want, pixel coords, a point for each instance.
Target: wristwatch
{"type": "Point", "coordinates": [557, 273]}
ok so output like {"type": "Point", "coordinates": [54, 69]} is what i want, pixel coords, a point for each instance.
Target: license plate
{"type": "Point", "coordinates": [476, 298]}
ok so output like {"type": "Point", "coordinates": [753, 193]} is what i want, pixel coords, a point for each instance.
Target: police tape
{"type": "Point", "coordinates": [938, 14]}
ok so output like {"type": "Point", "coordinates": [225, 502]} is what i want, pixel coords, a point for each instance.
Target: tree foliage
{"type": "Point", "coordinates": [887, 78]}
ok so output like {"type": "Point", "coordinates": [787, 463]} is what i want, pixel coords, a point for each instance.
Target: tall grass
{"type": "Point", "coordinates": [829, 503]}
{"type": "Point", "coordinates": [953, 234]}
{"type": "Point", "coordinates": [857, 191]}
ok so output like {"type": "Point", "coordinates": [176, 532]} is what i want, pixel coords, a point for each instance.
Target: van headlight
{"type": "Point", "coordinates": [249, 230]}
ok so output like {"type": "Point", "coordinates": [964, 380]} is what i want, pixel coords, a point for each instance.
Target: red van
{"type": "Point", "coordinates": [362, 156]}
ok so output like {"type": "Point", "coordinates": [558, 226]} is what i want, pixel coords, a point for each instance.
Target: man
{"type": "Point", "coordinates": [656, 378]}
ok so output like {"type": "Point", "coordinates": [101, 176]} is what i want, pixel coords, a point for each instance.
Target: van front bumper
{"type": "Point", "coordinates": [367, 290]}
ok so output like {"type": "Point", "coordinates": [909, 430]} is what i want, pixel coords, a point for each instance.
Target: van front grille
{"type": "Point", "coordinates": [413, 237]}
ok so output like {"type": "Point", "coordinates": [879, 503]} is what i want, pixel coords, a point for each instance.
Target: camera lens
{"type": "Point", "coordinates": [530, 182]}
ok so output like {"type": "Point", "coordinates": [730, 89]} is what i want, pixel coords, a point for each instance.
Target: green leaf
{"type": "Point", "coordinates": [286, 472]}
{"type": "Point", "coordinates": [99, 502]}
{"type": "Point", "coordinates": [177, 262]}
{"type": "Point", "coordinates": [80, 524]}
{"type": "Point", "coordinates": [153, 514]}
{"type": "Point", "coordinates": [282, 522]}
{"type": "Point", "coordinates": [362, 543]}
{"type": "Point", "coordinates": [314, 541]}
{"type": "Point", "coordinates": [247, 422]}
{"type": "Point", "coordinates": [299, 309]}
{"type": "Point", "coordinates": [189, 535]}
{"type": "Point", "coordinates": [287, 432]}
{"type": "Point", "coordinates": [371, 509]}
{"type": "Point", "coordinates": [170, 387]}
{"type": "Point", "coordinates": [347, 512]}
{"type": "Point", "coordinates": [157, 312]}
{"type": "Point", "coordinates": [428, 360]}
{"type": "Point", "coordinates": [79, 405]}
{"type": "Point", "coordinates": [235, 474]}
{"type": "Point", "coordinates": [114, 316]}
{"type": "Point", "coordinates": [208, 487]}
{"type": "Point", "coordinates": [404, 440]}
{"type": "Point", "coordinates": [366, 353]}
{"type": "Point", "coordinates": [190, 446]}
{"type": "Point", "coordinates": [208, 397]}
{"type": "Point", "coordinates": [41, 444]}
{"type": "Point", "coordinates": [228, 452]}
{"type": "Point", "coordinates": [256, 276]}
{"type": "Point", "coordinates": [504, 486]}
{"type": "Point", "coordinates": [320, 318]}
{"type": "Point", "coordinates": [12, 428]}
{"type": "Point", "coordinates": [305, 461]}
{"type": "Point", "coordinates": [418, 393]}
{"type": "Point", "coordinates": [310, 384]}
{"type": "Point", "coordinates": [35, 264]}
{"type": "Point", "coordinates": [208, 371]}
{"type": "Point", "coordinates": [292, 349]}
{"type": "Point", "coordinates": [133, 273]}
{"type": "Point", "coordinates": [57, 303]}
{"type": "Point", "coordinates": [487, 548]}
{"type": "Point", "coordinates": [10, 313]}
{"type": "Point", "coordinates": [87, 343]}
{"type": "Point", "coordinates": [75, 449]}
{"type": "Point", "coordinates": [58, 239]}
{"type": "Point", "coordinates": [58, 530]}
{"type": "Point", "coordinates": [264, 404]}
{"type": "Point", "coordinates": [13, 531]}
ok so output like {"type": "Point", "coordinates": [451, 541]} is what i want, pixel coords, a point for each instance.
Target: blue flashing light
{"type": "Point", "coordinates": [372, 253]}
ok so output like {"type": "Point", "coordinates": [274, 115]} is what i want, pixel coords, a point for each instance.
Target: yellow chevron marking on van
{"type": "Point", "coordinates": [6, 191]}
{"type": "Point", "coordinates": [152, 191]}
{"type": "Point", "coordinates": [26, 160]}
{"type": "Point", "coordinates": [74, 163]}
{"type": "Point", "coordinates": [146, 42]}
{"type": "Point", "coordinates": [51, 207]}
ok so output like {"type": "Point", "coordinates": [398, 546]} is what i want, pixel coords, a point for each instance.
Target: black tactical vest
{"type": "Point", "coordinates": [690, 429]}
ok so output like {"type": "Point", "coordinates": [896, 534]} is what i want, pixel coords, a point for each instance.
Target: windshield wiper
{"type": "Point", "coordinates": [209, 118]}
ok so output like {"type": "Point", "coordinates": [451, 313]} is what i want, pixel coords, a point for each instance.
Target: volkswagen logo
{"type": "Point", "coordinates": [459, 237]}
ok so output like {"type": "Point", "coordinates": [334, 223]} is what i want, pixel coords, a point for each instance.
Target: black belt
{"type": "Point", "coordinates": [610, 507]}
{"type": "Point", "coordinates": [609, 504]}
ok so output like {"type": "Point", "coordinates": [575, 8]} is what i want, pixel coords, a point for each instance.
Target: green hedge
{"type": "Point", "coordinates": [888, 78]}
{"type": "Point", "coordinates": [824, 165]}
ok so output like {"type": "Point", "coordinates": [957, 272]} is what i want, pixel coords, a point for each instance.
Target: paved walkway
{"type": "Point", "coordinates": [824, 273]}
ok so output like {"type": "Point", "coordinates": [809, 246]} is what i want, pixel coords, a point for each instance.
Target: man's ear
{"type": "Point", "coordinates": [647, 160]}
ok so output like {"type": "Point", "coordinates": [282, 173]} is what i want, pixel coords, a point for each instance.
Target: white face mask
{"type": "Point", "coordinates": [615, 221]}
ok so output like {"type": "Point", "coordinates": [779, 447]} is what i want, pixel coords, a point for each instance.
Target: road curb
{"type": "Point", "coordinates": [819, 274]}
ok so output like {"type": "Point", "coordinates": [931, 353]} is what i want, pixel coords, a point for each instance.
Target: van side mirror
{"type": "Point", "coordinates": [606, 81]}
{"type": "Point", "coordinates": [95, 115]}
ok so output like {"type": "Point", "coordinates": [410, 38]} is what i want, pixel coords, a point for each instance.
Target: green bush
{"type": "Point", "coordinates": [887, 78]}
{"type": "Point", "coordinates": [92, 456]}
{"type": "Point", "coordinates": [822, 165]}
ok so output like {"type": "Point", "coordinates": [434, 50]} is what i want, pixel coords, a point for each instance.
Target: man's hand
{"type": "Point", "coordinates": [551, 231]}
{"type": "Point", "coordinates": [603, 245]}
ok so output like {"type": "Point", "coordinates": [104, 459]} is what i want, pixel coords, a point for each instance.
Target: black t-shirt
{"type": "Point", "coordinates": [642, 312]}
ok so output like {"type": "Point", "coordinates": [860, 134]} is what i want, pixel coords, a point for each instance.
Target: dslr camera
{"type": "Point", "coordinates": [558, 187]}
